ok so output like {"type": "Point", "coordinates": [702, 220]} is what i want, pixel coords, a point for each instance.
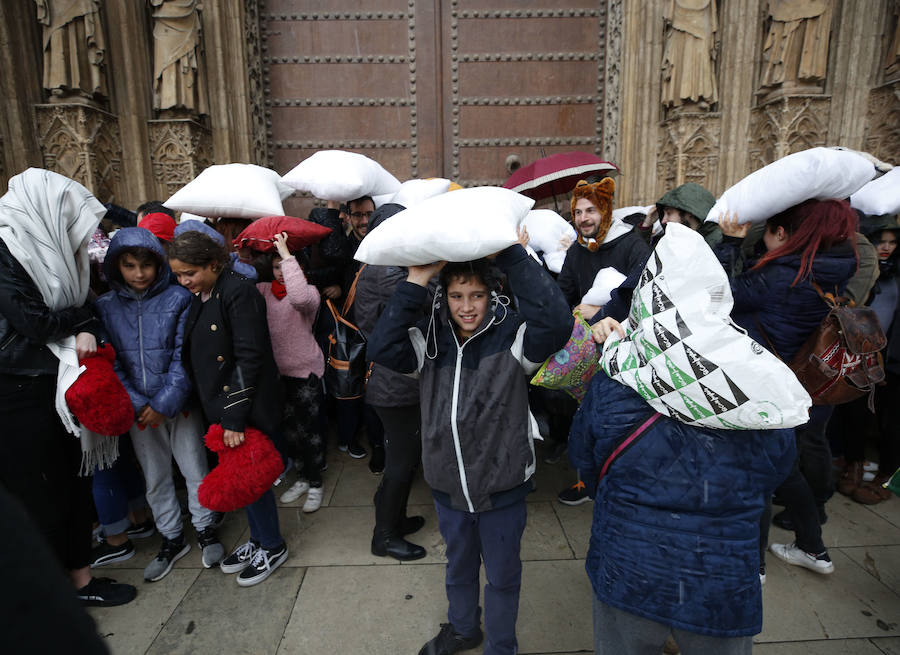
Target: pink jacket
{"type": "Point", "coordinates": [291, 323]}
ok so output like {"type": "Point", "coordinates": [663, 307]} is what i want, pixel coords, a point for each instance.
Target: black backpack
{"type": "Point", "coordinates": [345, 365]}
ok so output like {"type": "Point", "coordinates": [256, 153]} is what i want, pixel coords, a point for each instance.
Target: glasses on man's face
{"type": "Point", "coordinates": [359, 215]}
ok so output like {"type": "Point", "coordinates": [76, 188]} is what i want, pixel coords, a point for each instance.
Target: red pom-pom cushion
{"type": "Point", "coordinates": [244, 472]}
{"type": "Point", "coordinates": [260, 234]}
{"type": "Point", "coordinates": [97, 398]}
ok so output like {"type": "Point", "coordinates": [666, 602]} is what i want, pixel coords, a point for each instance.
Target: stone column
{"type": "Point", "coordinates": [640, 108]}
{"type": "Point", "coordinates": [180, 149]}
{"type": "Point", "coordinates": [20, 88]}
{"type": "Point", "coordinates": [882, 137]}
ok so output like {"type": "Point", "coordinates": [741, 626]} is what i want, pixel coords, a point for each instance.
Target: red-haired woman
{"type": "Point", "coordinates": [776, 301]}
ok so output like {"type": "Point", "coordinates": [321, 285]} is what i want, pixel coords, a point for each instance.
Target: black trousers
{"type": "Point", "coordinates": [853, 422]}
{"type": "Point", "coordinates": [402, 441]}
{"type": "Point", "coordinates": [39, 464]}
{"type": "Point", "coordinates": [809, 483]}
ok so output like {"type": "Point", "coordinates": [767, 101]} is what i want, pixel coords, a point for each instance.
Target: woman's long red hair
{"type": "Point", "coordinates": [812, 226]}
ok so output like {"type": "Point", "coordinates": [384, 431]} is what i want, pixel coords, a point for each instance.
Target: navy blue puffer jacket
{"type": "Point", "coordinates": [146, 329]}
{"type": "Point", "coordinates": [675, 535]}
{"type": "Point", "coordinates": [787, 314]}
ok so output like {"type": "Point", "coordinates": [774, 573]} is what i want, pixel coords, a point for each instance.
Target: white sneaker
{"type": "Point", "coordinates": [313, 499]}
{"type": "Point", "coordinates": [789, 553]}
{"type": "Point", "coordinates": [296, 490]}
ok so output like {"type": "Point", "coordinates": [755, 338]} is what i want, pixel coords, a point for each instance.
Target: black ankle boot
{"type": "Point", "coordinates": [410, 524]}
{"type": "Point", "coordinates": [393, 545]}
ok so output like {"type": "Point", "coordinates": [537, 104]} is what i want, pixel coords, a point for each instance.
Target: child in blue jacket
{"type": "Point", "coordinates": [144, 316]}
{"type": "Point", "coordinates": [472, 357]}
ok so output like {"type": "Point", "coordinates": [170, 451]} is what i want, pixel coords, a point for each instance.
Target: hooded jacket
{"type": "Point", "coordinates": [385, 388]}
{"type": "Point", "coordinates": [625, 253]}
{"type": "Point", "coordinates": [477, 431]}
{"type": "Point", "coordinates": [675, 534]}
{"type": "Point", "coordinates": [147, 328]}
{"type": "Point", "coordinates": [886, 289]}
{"type": "Point", "coordinates": [765, 299]}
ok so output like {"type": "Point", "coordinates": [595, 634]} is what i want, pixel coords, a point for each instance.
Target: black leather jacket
{"type": "Point", "coordinates": [27, 324]}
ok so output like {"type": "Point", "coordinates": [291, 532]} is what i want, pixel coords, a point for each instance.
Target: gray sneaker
{"type": "Point", "coordinates": [213, 550]}
{"type": "Point", "coordinates": [171, 551]}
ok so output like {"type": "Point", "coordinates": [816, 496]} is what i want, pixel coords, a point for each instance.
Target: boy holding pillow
{"type": "Point", "coordinates": [472, 356]}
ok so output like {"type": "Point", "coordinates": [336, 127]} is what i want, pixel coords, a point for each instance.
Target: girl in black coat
{"type": "Point", "coordinates": [776, 303]}
{"type": "Point", "coordinates": [228, 354]}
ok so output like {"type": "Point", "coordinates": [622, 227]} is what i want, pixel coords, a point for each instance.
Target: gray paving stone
{"type": "Point", "coordinates": [343, 536]}
{"type": "Point", "coordinates": [799, 605]}
{"type": "Point", "coordinates": [881, 562]}
{"type": "Point", "coordinates": [832, 647]}
{"type": "Point", "coordinates": [377, 610]}
{"type": "Point", "coordinates": [888, 645]}
{"type": "Point", "coordinates": [555, 608]}
{"type": "Point", "coordinates": [576, 522]}
{"type": "Point", "coordinates": [330, 479]}
{"type": "Point", "coordinates": [889, 510]}
{"type": "Point", "coordinates": [550, 479]}
{"type": "Point", "coordinates": [852, 524]}
{"type": "Point", "coordinates": [544, 538]}
{"type": "Point", "coordinates": [131, 628]}
{"type": "Point", "coordinates": [217, 616]}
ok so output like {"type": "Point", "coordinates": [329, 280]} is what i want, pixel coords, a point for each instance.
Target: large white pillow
{"type": "Point", "coordinates": [232, 191]}
{"type": "Point", "coordinates": [460, 226]}
{"type": "Point", "coordinates": [412, 192]}
{"type": "Point", "coordinates": [600, 293]}
{"type": "Point", "coordinates": [341, 176]}
{"type": "Point", "coordinates": [550, 234]}
{"type": "Point", "coordinates": [878, 197]}
{"type": "Point", "coordinates": [817, 173]}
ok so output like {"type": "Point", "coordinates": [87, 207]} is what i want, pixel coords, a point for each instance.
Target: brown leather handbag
{"type": "Point", "coordinates": [841, 361]}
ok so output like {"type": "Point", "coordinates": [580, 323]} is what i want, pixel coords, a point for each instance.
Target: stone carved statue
{"type": "Point", "coordinates": [179, 80]}
{"type": "Point", "coordinates": [74, 48]}
{"type": "Point", "coordinates": [892, 57]}
{"type": "Point", "coordinates": [689, 54]}
{"type": "Point", "coordinates": [795, 51]}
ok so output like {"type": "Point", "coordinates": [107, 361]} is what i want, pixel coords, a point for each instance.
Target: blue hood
{"type": "Point", "coordinates": [135, 237]}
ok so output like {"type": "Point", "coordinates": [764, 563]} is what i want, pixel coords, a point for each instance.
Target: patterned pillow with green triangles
{"type": "Point", "coordinates": [685, 357]}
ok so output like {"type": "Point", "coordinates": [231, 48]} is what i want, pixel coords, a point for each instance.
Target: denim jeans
{"type": "Point", "coordinates": [118, 490]}
{"type": "Point", "coordinates": [263, 519]}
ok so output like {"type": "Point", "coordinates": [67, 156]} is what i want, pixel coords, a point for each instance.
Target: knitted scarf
{"type": "Point", "coordinates": [278, 289]}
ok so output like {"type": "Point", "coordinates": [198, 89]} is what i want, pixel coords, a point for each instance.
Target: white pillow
{"type": "Point", "coordinates": [624, 212]}
{"type": "Point", "coordinates": [382, 199]}
{"type": "Point", "coordinates": [232, 191]}
{"type": "Point", "coordinates": [817, 173]}
{"type": "Point", "coordinates": [458, 227]}
{"type": "Point", "coordinates": [605, 281]}
{"type": "Point", "coordinates": [412, 192]}
{"type": "Point", "coordinates": [550, 233]}
{"type": "Point", "coordinates": [878, 197]}
{"type": "Point", "coordinates": [341, 176]}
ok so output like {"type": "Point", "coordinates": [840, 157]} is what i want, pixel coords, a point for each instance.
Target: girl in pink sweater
{"type": "Point", "coordinates": [291, 306]}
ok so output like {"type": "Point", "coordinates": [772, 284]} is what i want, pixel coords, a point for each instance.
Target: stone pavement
{"type": "Point", "coordinates": [332, 597]}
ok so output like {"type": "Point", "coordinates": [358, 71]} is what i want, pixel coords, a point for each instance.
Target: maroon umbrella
{"type": "Point", "coordinates": [557, 174]}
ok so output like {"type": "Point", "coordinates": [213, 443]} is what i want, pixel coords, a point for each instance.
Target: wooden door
{"type": "Point", "coordinates": [431, 88]}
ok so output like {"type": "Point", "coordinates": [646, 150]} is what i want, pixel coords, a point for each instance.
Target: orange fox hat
{"type": "Point", "coordinates": [600, 194]}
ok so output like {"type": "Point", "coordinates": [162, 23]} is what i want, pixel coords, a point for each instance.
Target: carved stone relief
{"type": "Point", "coordinates": [688, 151]}
{"type": "Point", "coordinates": [785, 125]}
{"type": "Point", "coordinates": [883, 120]}
{"type": "Point", "coordinates": [892, 56]}
{"type": "Point", "coordinates": [260, 118]}
{"type": "Point", "coordinates": [179, 151]}
{"type": "Point", "coordinates": [795, 50]}
{"type": "Point", "coordinates": [689, 55]}
{"type": "Point", "coordinates": [179, 76]}
{"type": "Point", "coordinates": [612, 74]}
{"type": "Point", "coordinates": [74, 48]}
{"type": "Point", "coordinates": [83, 143]}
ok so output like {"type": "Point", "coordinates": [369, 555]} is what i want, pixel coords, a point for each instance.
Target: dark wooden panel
{"type": "Point", "coordinates": [321, 8]}
{"type": "Point", "coordinates": [528, 78]}
{"type": "Point", "coordinates": [330, 38]}
{"type": "Point", "coordinates": [384, 122]}
{"type": "Point", "coordinates": [527, 121]}
{"type": "Point", "coordinates": [528, 35]}
{"type": "Point", "coordinates": [339, 80]}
